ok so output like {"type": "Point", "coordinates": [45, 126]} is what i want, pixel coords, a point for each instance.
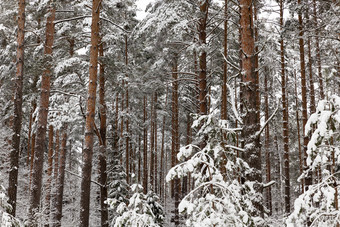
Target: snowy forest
{"type": "Point", "coordinates": [201, 113]}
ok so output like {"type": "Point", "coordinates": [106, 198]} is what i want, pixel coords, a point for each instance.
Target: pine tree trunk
{"type": "Point", "coordinates": [56, 157]}
{"type": "Point", "coordinates": [90, 116]}
{"type": "Point", "coordinates": [102, 155]}
{"type": "Point", "coordinates": [284, 119]}
{"type": "Point", "coordinates": [152, 143]}
{"type": "Point", "coordinates": [145, 151]}
{"type": "Point", "coordinates": [60, 185]}
{"type": "Point", "coordinates": [224, 83]}
{"type": "Point", "coordinates": [42, 121]}
{"type": "Point", "coordinates": [174, 120]}
{"type": "Point", "coordinates": [49, 175]}
{"type": "Point", "coordinates": [155, 142]}
{"type": "Point", "coordinates": [18, 86]}
{"type": "Point", "coordinates": [162, 164]}
{"type": "Point", "coordinates": [298, 132]}
{"type": "Point", "coordinates": [249, 86]}
{"type": "Point", "coordinates": [308, 179]}
{"type": "Point", "coordinates": [34, 105]}
{"type": "Point", "coordinates": [310, 69]}
{"type": "Point", "coordinates": [225, 65]}
{"type": "Point", "coordinates": [32, 160]}
{"type": "Point", "coordinates": [127, 119]}
{"type": "Point", "coordinates": [139, 160]}
{"type": "Point", "coordinates": [202, 76]}
{"type": "Point", "coordinates": [318, 55]}
{"type": "Point", "coordinates": [267, 144]}
{"type": "Point", "coordinates": [175, 139]}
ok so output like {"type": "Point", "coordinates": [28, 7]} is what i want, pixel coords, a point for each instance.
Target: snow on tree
{"type": "Point", "coordinates": [319, 204]}
{"type": "Point", "coordinates": [142, 210]}
{"type": "Point", "coordinates": [118, 189]}
{"type": "Point", "coordinates": [215, 201]}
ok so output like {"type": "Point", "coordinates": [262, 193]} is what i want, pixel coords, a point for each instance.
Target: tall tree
{"type": "Point", "coordinates": [225, 65]}
{"type": "Point", "coordinates": [42, 119]}
{"type": "Point", "coordinates": [145, 149]}
{"type": "Point", "coordinates": [18, 85]}
{"type": "Point", "coordinates": [60, 183]}
{"type": "Point", "coordinates": [267, 144]}
{"type": "Point", "coordinates": [318, 55]}
{"type": "Point", "coordinates": [251, 121]}
{"type": "Point", "coordinates": [90, 116]}
{"type": "Point", "coordinates": [202, 40]}
{"type": "Point", "coordinates": [49, 173]}
{"type": "Point", "coordinates": [102, 155]}
{"type": "Point", "coordinates": [284, 116]}
{"type": "Point", "coordinates": [175, 190]}
{"type": "Point", "coordinates": [308, 179]}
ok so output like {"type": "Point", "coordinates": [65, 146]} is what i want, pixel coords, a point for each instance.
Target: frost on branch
{"type": "Point", "coordinates": [216, 200]}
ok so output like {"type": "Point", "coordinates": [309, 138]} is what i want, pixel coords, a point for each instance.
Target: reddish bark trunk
{"type": "Point", "coordinates": [155, 142]}
{"type": "Point", "coordinates": [308, 179]}
{"type": "Point", "coordinates": [102, 155]}
{"type": "Point", "coordinates": [60, 185]}
{"type": "Point", "coordinates": [18, 86]}
{"type": "Point", "coordinates": [284, 119]}
{"type": "Point", "coordinates": [202, 36]}
{"type": "Point", "coordinates": [49, 174]}
{"type": "Point", "coordinates": [249, 99]}
{"type": "Point", "coordinates": [42, 122]}
{"type": "Point", "coordinates": [145, 151]}
{"type": "Point", "coordinates": [32, 160]}
{"type": "Point", "coordinates": [34, 105]}
{"type": "Point", "coordinates": [152, 143]}
{"type": "Point", "coordinates": [90, 116]}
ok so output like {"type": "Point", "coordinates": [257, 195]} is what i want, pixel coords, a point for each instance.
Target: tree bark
{"type": "Point", "coordinates": [225, 65]}
{"type": "Point", "coordinates": [56, 156]}
{"type": "Point", "coordinates": [267, 144]}
{"type": "Point", "coordinates": [102, 155]}
{"type": "Point", "coordinates": [32, 160]}
{"type": "Point", "coordinates": [249, 86]}
{"type": "Point", "coordinates": [139, 160]}
{"type": "Point", "coordinates": [34, 105]}
{"type": "Point", "coordinates": [145, 151]}
{"type": "Point", "coordinates": [90, 116]}
{"type": "Point", "coordinates": [310, 69]}
{"type": "Point", "coordinates": [49, 175]}
{"type": "Point", "coordinates": [18, 86]}
{"type": "Point", "coordinates": [202, 77]}
{"type": "Point", "coordinates": [60, 185]}
{"type": "Point", "coordinates": [155, 141]}
{"type": "Point", "coordinates": [318, 55]}
{"type": "Point", "coordinates": [175, 139]}
{"type": "Point", "coordinates": [152, 144]}
{"type": "Point", "coordinates": [308, 179]}
{"type": "Point", "coordinates": [42, 121]}
{"type": "Point", "coordinates": [298, 132]}
{"type": "Point", "coordinates": [127, 152]}
{"type": "Point", "coordinates": [162, 164]}
{"type": "Point", "coordinates": [284, 118]}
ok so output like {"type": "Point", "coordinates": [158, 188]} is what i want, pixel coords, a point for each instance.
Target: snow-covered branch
{"type": "Point", "coordinates": [269, 119]}
{"type": "Point", "coordinates": [232, 100]}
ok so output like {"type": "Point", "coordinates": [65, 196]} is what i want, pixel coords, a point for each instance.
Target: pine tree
{"type": "Point", "coordinates": [42, 121]}
{"type": "Point", "coordinates": [249, 86]}
{"type": "Point", "coordinates": [17, 120]}
{"type": "Point", "coordinates": [91, 102]}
